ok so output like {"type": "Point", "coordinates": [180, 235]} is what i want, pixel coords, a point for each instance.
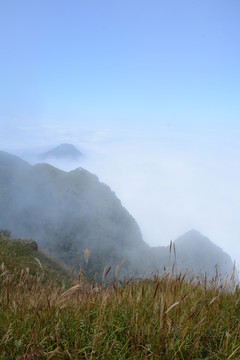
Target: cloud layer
{"type": "Point", "coordinates": [170, 180]}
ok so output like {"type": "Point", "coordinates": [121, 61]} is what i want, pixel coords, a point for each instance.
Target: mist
{"type": "Point", "coordinates": [170, 180]}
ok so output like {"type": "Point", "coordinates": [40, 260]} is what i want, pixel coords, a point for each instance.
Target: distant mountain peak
{"type": "Point", "coordinates": [63, 151]}
{"type": "Point", "coordinates": [199, 253]}
{"type": "Point", "coordinates": [193, 232]}
{"type": "Point", "coordinates": [192, 236]}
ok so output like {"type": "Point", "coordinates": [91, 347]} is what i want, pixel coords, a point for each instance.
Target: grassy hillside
{"type": "Point", "coordinates": [165, 318]}
{"type": "Point", "coordinates": [18, 259]}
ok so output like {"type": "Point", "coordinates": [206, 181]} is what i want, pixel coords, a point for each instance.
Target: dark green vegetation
{"type": "Point", "coordinates": [166, 318]}
{"type": "Point", "coordinates": [17, 258]}
{"type": "Point", "coordinates": [63, 151]}
{"type": "Point", "coordinates": [67, 212]}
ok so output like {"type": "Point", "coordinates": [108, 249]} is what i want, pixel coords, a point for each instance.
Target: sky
{"type": "Point", "coordinates": [148, 90]}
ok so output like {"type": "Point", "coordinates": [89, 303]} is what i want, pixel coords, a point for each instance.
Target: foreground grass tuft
{"type": "Point", "coordinates": [168, 317]}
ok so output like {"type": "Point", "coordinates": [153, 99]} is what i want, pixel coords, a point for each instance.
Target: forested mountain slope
{"type": "Point", "coordinates": [67, 212]}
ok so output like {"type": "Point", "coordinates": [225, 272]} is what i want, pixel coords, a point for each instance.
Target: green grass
{"type": "Point", "coordinates": [168, 317]}
{"type": "Point", "coordinates": [16, 257]}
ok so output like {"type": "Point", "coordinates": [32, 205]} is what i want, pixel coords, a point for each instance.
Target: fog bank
{"type": "Point", "coordinates": [171, 182]}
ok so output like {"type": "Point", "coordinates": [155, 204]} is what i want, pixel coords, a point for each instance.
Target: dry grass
{"type": "Point", "coordinates": [168, 317]}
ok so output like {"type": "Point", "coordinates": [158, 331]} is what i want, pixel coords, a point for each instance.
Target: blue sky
{"type": "Point", "coordinates": [148, 89]}
{"type": "Point", "coordinates": [174, 62]}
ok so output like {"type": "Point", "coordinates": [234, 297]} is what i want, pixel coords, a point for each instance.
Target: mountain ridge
{"type": "Point", "coordinates": [67, 212]}
{"type": "Point", "coordinates": [10, 160]}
